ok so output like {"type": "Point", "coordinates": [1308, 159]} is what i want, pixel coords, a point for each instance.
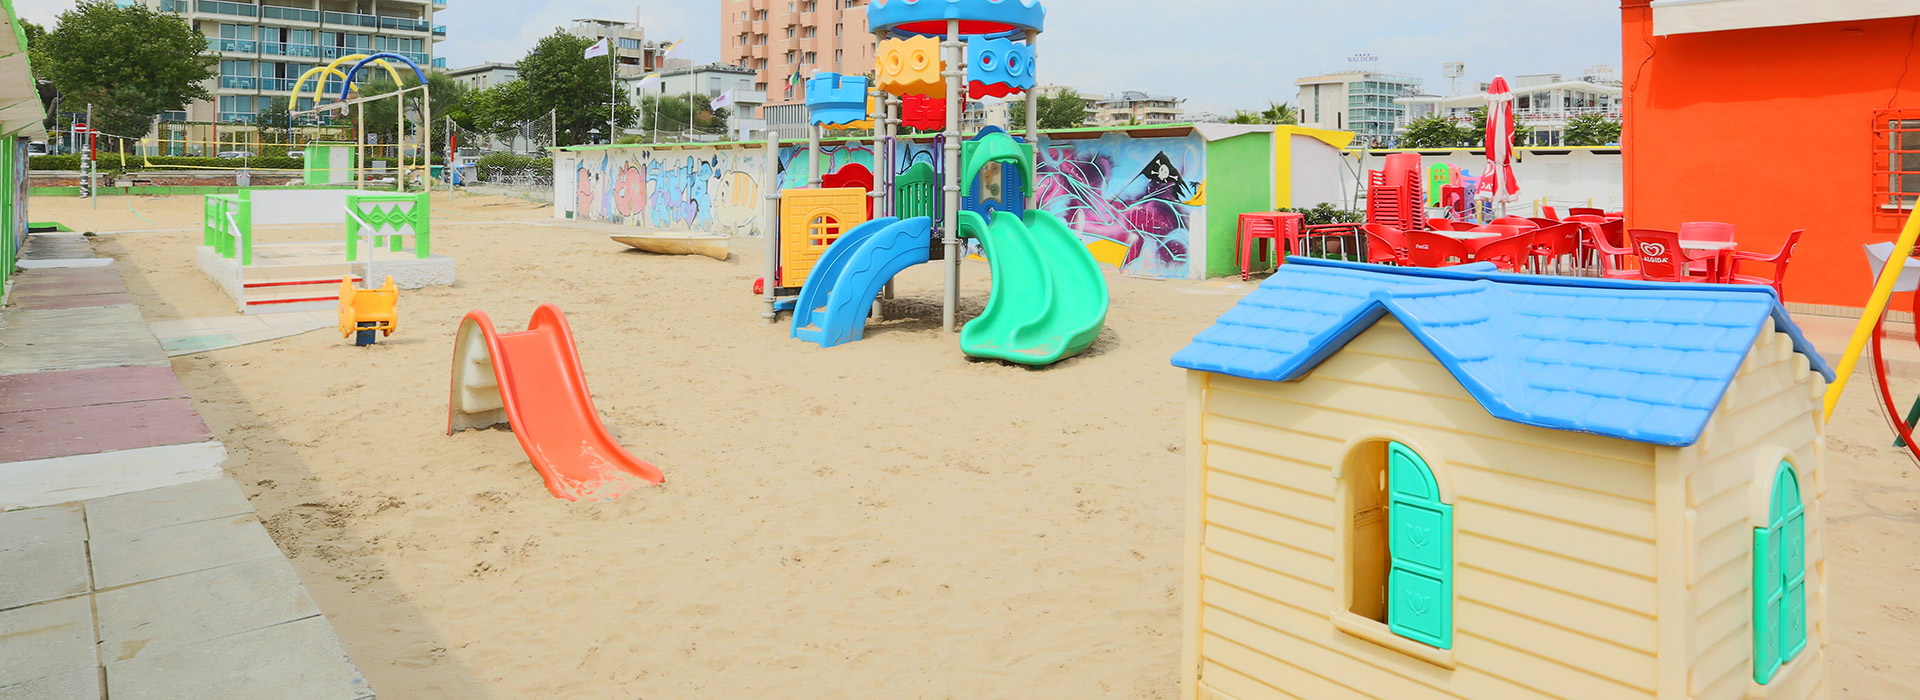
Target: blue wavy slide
{"type": "Point", "coordinates": [840, 290]}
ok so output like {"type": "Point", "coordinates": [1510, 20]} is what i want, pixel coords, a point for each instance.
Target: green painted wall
{"type": "Point", "coordinates": [1239, 180]}
{"type": "Point", "coordinates": [9, 237]}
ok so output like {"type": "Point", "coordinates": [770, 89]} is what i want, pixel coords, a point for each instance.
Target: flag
{"type": "Point", "coordinates": [598, 49]}
{"type": "Point", "coordinates": [647, 81]}
{"type": "Point", "coordinates": [673, 51]}
{"type": "Point", "coordinates": [724, 100]}
{"type": "Point", "coordinates": [795, 80]}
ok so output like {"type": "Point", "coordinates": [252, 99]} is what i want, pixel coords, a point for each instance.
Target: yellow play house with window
{"type": "Point", "coordinates": [1411, 483]}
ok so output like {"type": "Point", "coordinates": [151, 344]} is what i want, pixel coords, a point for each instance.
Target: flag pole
{"type": "Point", "coordinates": [613, 86]}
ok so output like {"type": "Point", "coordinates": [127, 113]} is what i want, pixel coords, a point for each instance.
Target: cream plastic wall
{"type": "Point", "coordinates": [1771, 414]}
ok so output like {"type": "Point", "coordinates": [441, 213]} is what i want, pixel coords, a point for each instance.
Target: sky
{"type": "Point", "coordinates": [1220, 55]}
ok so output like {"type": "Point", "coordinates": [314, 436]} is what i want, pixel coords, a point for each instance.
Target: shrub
{"type": "Point", "coordinates": [59, 162]}
{"type": "Point", "coordinates": [1326, 213]}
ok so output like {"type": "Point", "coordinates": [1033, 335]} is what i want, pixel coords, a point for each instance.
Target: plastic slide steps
{"type": "Point", "coordinates": [532, 381]}
{"type": "Point", "coordinates": [1049, 300]}
{"type": "Point", "coordinates": [834, 302]}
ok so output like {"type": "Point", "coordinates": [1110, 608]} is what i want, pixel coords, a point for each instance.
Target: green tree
{"type": "Point", "coordinates": [499, 111]}
{"type": "Point", "coordinates": [1433, 132]}
{"type": "Point", "coordinates": [273, 122]}
{"type": "Point", "coordinates": [558, 77]}
{"type": "Point", "coordinates": [448, 98]}
{"type": "Point", "coordinates": [1592, 130]}
{"type": "Point", "coordinates": [666, 116]}
{"type": "Point", "coordinates": [131, 63]}
{"type": "Point", "coordinates": [1066, 110]}
{"type": "Point", "coordinates": [1275, 113]}
{"type": "Point", "coordinates": [1522, 134]}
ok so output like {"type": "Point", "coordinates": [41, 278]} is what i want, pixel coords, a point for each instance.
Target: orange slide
{"type": "Point", "coordinates": [532, 381]}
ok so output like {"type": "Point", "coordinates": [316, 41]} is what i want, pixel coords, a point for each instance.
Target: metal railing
{"type": "Point", "coordinates": [219, 7]}
{"type": "Point", "coordinates": [175, 6]}
{"type": "Point", "coordinates": [351, 20]}
{"type": "Point", "coordinates": [294, 14]}
{"type": "Point", "coordinates": [278, 84]}
{"type": "Point", "coordinates": [239, 82]}
{"type": "Point", "coordinates": [404, 24]}
{"type": "Point", "coordinates": [237, 45]}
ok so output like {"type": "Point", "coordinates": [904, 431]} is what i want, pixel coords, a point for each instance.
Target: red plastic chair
{"type": "Point", "coordinates": [1662, 259]}
{"type": "Point", "coordinates": [1543, 222]}
{"type": "Point", "coordinates": [1555, 242]}
{"type": "Point", "coordinates": [1586, 211]}
{"type": "Point", "coordinates": [1616, 262]}
{"type": "Point", "coordinates": [1386, 244]}
{"type": "Point", "coordinates": [1278, 227]}
{"type": "Point", "coordinates": [1426, 249]}
{"type": "Point", "coordinates": [1509, 253]}
{"type": "Point", "coordinates": [1456, 225]}
{"type": "Point", "coordinates": [1439, 224]}
{"type": "Point", "coordinates": [1521, 222]}
{"type": "Point", "coordinates": [1549, 212]}
{"type": "Point", "coordinates": [1778, 260]}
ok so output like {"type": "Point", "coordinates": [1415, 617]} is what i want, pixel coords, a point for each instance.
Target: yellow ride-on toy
{"type": "Point", "coordinates": [364, 311]}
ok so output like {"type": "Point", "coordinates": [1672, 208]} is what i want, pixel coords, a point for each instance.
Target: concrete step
{"type": "Point", "coordinates": [284, 273]}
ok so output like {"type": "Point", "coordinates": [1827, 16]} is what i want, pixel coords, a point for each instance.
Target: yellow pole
{"type": "Point", "coordinates": [1876, 304]}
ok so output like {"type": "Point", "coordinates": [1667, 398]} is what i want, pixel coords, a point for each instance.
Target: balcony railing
{"type": "Point", "coordinates": [439, 3]}
{"type": "Point", "coordinates": [235, 45]}
{"type": "Point", "coordinates": [278, 84]}
{"type": "Point", "coordinates": [297, 50]}
{"type": "Point", "coordinates": [239, 82]}
{"type": "Point", "coordinates": [227, 8]}
{"type": "Point", "coordinates": [237, 116]}
{"type": "Point", "coordinates": [175, 5]}
{"type": "Point", "coordinates": [440, 30]}
{"type": "Point", "coordinates": [351, 20]}
{"type": "Point", "coordinates": [293, 14]}
{"type": "Point", "coordinates": [404, 24]}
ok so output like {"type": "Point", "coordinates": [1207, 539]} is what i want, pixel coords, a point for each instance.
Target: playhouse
{"type": "Point", "coordinates": [382, 234]}
{"type": "Point", "coordinates": [1409, 483]}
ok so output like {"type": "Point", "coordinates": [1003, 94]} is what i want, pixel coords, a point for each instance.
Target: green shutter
{"type": "Point", "coordinates": [1780, 579]}
{"type": "Point", "coordinates": [1420, 540]}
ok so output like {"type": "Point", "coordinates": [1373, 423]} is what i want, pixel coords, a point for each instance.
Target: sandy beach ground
{"type": "Point", "coordinates": [883, 519]}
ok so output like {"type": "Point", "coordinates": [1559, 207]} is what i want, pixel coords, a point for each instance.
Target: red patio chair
{"type": "Point", "coordinates": [1662, 259]}
{"type": "Point", "coordinates": [1439, 224]}
{"type": "Point", "coordinates": [1778, 260]}
{"type": "Point", "coordinates": [1616, 261]}
{"type": "Point", "coordinates": [1706, 231]}
{"type": "Point", "coordinates": [1386, 244]}
{"type": "Point", "coordinates": [1509, 253]}
{"type": "Point", "coordinates": [1549, 212]}
{"type": "Point", "coordinates": [1426, 249]}
{"type": "Point", "coordinates": [1457, 225]}
{"type": "Point", "coordinates": [1521, 222]}
{"type": "Point", "coordinates": [1556, 242]}
{"type": "Point", "coordinates": [1586, 211]}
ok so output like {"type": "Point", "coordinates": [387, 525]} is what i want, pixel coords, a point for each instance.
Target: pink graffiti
{"type": "Point", "coordinates": [1148, 224]}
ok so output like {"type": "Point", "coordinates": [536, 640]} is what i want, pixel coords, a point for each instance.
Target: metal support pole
{"type": "Point", "coordinates": [1033, 131]}
{"type": "Point", "coordinates": [813, 155]}
{"type": "Point", "coordinates": [955, 71]}
{"type": "Point", "coordinates": [770, 227]}
{"type": "Point", "coordinates": [93, 184]}
{"type": "Point", "coordinates": [360, 132]}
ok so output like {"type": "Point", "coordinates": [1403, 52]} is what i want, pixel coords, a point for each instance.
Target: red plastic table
{"type": "Point", "coordinates": [1274, 226]}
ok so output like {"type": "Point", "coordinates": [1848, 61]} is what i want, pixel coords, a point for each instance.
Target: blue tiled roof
{"type": "Point", "coordinates": [1632, 360]}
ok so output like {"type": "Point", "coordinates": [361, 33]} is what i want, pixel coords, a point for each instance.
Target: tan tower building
{"type": "Point", "coordinates": [780, 39]}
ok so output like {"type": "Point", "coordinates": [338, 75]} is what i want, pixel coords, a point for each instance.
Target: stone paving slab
{"type": "Point", "coordinates": [76, 685]}
{"type": "Point", "coordinates": [48, 639]}
{"type": "Point", "coordinates": [70, 301]}
{"type": "Point", "coordinates": [37, 573]}
{"type": "Point", "coordinates": [43, 246]}
{"type": "Point", "coordinates": [294, 661]}
{"type": "Point", "coordinates": [36, 525]}
{"type": "Point", "coordinates": [63, 432]}
{"type": "Point", "coordinates": [165, 507]}
{"type": "Point", "coordinates": [171, 613]}
{"type": "Point", "coordinates": [122, 559]}
{"type": "Point", "coordinates": [87, 387]}
{"type": "Point", "coordinates": [189, 336]}
{"type": "Point", "coordinates": [54, 340]}
{"type": "Point", "coordinates": [87, 280]}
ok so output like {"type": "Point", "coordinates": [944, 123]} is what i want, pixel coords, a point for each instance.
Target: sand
{"type": "Point", "coordinates": [883, 519]}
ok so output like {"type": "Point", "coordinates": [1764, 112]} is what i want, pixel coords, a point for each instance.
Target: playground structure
{"type": "Point", "coordinates": [832, 256]}
{"type": "Point", "coordinates": [300, 276]}
{"type": "Point", "coordinates": [329, 161]}
{"type": "Point", "coordinates": [1373, 496]}
{"type": "Point", "coordinates": [532, 381]}
{"type": "Point", "coordinates": [365, 312]}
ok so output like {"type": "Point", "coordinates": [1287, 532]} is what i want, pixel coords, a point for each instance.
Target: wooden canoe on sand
{"type": "Point", "coordinates": [711, 245]}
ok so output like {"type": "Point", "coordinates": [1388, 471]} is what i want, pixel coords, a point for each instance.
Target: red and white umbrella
{"type": "Point", "coordinates": [1498, 185]}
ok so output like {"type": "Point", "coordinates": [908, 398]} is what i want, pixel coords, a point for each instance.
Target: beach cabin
{"type": "Point", "coordinates": [1414, 483]}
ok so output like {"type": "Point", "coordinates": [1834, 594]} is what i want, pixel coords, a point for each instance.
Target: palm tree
{"type": "Point", "coordinates": [1275, 113]}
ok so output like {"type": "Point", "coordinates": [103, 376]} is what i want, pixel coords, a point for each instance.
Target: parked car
{"type": "Point", "coordinates": [234, 154]}
{"type": "Point", "coordinates": [297, 154]}
{"type": "Point", "coordinates": [37, 148]}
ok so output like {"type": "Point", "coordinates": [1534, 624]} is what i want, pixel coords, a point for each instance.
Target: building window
{"type": "Point", "coordinates": [1897, 146]}
{"type": "Point", "coordinates": [789, 32]}
{"type": "Point", "coordinates": [1780, 579]}
{"type": "Point", "coordinates": [839, 29]}
{"type": "Point", "coordinates": [1399, 556]}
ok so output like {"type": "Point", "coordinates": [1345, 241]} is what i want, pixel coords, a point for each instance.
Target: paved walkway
{"type": "Point", "coordinates": [130, 565]}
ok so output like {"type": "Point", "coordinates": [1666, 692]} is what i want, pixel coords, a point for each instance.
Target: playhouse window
{"type": "Point", "coordinates": [1780, 579]}
{"type": "Point", "coordinates": [1400, 552]}
{"type": "Point", "coordinates": [822, 231]}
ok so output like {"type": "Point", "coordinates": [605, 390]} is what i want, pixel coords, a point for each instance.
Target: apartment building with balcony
{"type": "Point", "coordinates": [485, 75]}
{"type": "Point", "coordinates": [1134, 107]}
{"type": "Point", "coordinates": [637, 55]}
{"type": "Point", "coordinates": [265, 45]}
{"type": "Point", "coordinates": [780, 39]}
{"type": "Point", "coordinates": [1363, 102]}
{"type": "Point", "coordinates": [1544, 102]}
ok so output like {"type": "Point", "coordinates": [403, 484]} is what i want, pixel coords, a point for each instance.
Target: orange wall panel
{"type": "Point", "coordinates": [1771, 130]}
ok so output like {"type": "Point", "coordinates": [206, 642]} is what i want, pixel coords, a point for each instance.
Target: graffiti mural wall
{"type": "Point", "coordinates": [1134, 202]}
{"type": "Point", "coordinates": [714, 190]}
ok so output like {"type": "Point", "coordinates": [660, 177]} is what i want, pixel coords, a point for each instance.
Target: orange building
{"type": "Point", "coordinates": [1776, 115]}
{"type": "Point", "coordinates": [780, 39]}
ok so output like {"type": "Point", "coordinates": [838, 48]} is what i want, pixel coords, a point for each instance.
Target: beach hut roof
{"type": "Point", "coordinates": [1647, 362]}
